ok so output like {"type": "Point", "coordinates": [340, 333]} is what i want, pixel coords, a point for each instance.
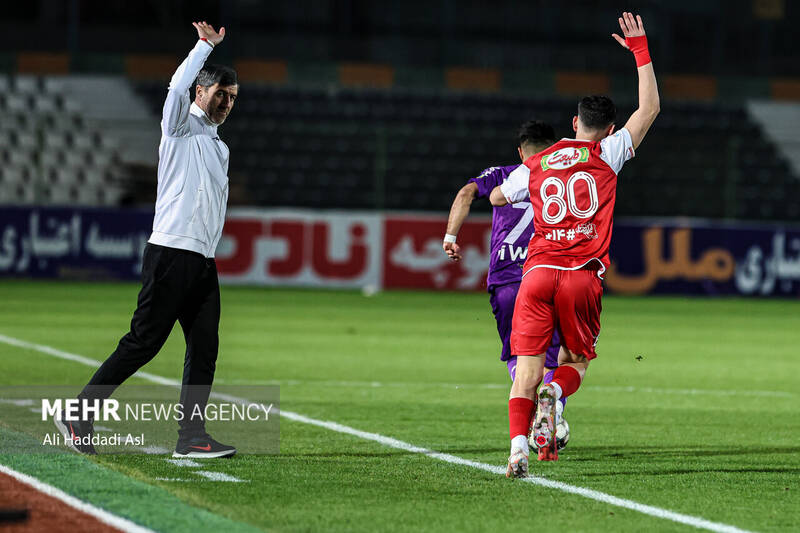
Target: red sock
{"type": "Point", "coordinates": [568, 379]}
{"type": "Point", "coordinates": [520, 412]}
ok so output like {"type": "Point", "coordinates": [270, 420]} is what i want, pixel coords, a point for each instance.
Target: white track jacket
{"type": "Point", "coordinates": [192, 168]}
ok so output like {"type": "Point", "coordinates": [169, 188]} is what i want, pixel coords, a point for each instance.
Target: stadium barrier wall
{"type": "Point", "coordinates": [371, 251]}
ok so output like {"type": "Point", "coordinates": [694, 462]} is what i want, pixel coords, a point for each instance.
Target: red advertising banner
{"type": "Point", "coordinates": [294, 247]}
{"type": "Point", "coordinates": [413, 255]}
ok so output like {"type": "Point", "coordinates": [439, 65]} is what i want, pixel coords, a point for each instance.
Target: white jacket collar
{"type": "Point", "coordinates": [197, 111]}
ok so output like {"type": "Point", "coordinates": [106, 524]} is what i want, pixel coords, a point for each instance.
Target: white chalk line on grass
{"type": "Point", "coordinates": [100, 514]}
{"type": "Point", "coordinates": [503, 386]}
{"type": "Point", "coordinates": [184, 462]}
{"type": "Point", "coordinates": [219, 476]}
{"type": "Point", "coordinates": [602, 497]}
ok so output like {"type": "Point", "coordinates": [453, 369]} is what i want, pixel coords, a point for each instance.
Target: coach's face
{"type": "Point", "coordinates": [217, 101]}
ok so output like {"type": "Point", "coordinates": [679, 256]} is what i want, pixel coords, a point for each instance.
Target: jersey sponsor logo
{"type": "Point", "coordinates": [589, 230]}
{"type": "Point", "coordinates": [565, 158]}
{"type": "Point", "coordinates": [515, 253]}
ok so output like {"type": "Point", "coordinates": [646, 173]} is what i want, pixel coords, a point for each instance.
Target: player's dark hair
{"type": "Point", "coordinates": [597, 112]}
{"type": "Point", "coordinates": [211, 74]}
{"type": "Point", "coordinates": [539, 135]}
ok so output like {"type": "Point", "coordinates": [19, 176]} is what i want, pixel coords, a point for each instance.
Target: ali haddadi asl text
{"type": "Point", "coordinates": [115, 439]}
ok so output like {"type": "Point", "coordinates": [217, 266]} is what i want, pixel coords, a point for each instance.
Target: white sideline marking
{"type": "Point", "coordinates": [650, 510]}
{"type": "Point", "coordinates": [96, 512]}
{"type": "Point", "coordinates": [17, 402]}
{"type": "Point", "coordinates": [219, 476]}
{"type": "Point", "coordinates": [153, 450]}
{"type": "Point", "coordinates": [184, 462]}
{"type": "Point", "coordinates": [695, 392]}
{"type": "Point", "coordinates": [401, 384]}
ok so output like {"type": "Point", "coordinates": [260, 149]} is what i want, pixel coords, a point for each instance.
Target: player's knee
{"type": "Point", "coordinates": [566, 356]}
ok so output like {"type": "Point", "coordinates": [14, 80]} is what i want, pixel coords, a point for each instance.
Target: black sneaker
{"type": "Point", "coordinates": [202, 446]}
{"type": "Point", "coordinates": [77, 434]}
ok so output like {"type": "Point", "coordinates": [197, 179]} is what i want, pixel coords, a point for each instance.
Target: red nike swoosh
{"type": "Point", "coordinates": [206, 448]}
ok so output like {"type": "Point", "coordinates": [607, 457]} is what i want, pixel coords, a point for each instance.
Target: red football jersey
{"type": "Point", "coordinates": [572, 187]}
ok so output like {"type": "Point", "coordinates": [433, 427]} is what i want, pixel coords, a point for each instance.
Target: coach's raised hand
{"type": "Point", "coordinates": [207, 32]}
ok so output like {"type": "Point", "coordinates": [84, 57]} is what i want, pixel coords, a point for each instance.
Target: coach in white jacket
{"type": "Point", "coordinates": [179, 275]}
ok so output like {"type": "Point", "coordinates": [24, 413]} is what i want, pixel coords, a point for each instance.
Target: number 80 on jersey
{"type": "Point", "coordinates": [565, 199]}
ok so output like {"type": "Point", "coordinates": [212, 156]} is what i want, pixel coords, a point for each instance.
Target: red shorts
{"type": "Point", "coordinates": [550, 298]}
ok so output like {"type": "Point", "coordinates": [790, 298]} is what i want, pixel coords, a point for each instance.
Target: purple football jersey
{"type": "Point", "coordinates": [512, 227]}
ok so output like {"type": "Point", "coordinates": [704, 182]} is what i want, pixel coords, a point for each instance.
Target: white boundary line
{"type": "Point", "coordinates": [219, 476]}
{"type": "Point", "coordinates": [602, 497]}
{"type": "Point", "coordinates": [504, 386]}
{"type": "Point", "coordinates": [101, 515]}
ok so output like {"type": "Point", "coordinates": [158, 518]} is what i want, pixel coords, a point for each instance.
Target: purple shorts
{"type": "Point", "coordinates": [502, 299]}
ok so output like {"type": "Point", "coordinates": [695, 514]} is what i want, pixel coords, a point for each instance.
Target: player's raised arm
{"type": "Point", "coordinates": [174, 122]}
{"type": "Point", "coordinates": [636, 41]}
{"type": "Point", "coordinates": [458, 213]}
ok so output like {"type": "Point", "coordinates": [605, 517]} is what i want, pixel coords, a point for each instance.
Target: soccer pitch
{"type": "Point", "coordinates": [690, 408]}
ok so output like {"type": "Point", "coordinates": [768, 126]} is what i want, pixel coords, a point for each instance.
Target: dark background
{"type": "Point", "coordinates": [741, 37]}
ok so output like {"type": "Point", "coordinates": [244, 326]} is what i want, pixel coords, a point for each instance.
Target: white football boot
{"type": "Point", "coordinates": [517, 463]}
{"type": "Point", "coordinates": [544, 425]}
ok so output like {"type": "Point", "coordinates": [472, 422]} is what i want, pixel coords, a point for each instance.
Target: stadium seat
{"type": "Point", "coordinates": [27, 84]}
{"type": "Point", "coordinates": [19, 157]}
{"type": "Point", "coordinates": [82, 141]}
{"type": "Point", "coordinates": [93, 177]}
{"type": "Point", "coordinates": [26, 140]}
{"type": "Point", "coordinates": [88, 195]}
{"type": "Point", "coordinates": [55, 140]}
{"type": "Point", "coordinates": [17, 103]}
{"type": "Point", "coordinates": [60, 195]}
{"type": "Point", "coordinates": [13, 175]}
{"type": "Point", "coordinates": [44, 104]}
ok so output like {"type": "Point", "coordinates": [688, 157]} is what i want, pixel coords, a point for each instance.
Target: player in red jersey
{"type": "Point", "coordinates": [572, 187]}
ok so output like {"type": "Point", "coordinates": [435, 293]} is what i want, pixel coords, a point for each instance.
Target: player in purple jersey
{"type": "Point", "coordinates": [512, 227]}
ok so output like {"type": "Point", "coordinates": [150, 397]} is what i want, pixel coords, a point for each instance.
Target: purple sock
{"type": "Point", "coordinates": [547, 379]}
{"type": "Point", "coordinates": [512, 367]}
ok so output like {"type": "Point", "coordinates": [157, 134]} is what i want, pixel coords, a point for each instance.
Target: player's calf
{"type": "Point", "coordinates": [520, 411]}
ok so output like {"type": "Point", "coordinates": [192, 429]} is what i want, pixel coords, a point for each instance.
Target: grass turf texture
{"type": "Point", "coordinates": [687, 435]}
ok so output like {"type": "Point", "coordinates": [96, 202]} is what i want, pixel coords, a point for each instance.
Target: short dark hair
{"type": "Point", "coordinates": [597, 112]}
{"type": "Point", "coordinates": [537, 134]}
{"type": "Point", "coordinates": [211, 74]}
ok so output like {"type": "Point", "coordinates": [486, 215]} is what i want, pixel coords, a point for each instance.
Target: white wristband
{"type": "Point", "coordinates": [449, 238]}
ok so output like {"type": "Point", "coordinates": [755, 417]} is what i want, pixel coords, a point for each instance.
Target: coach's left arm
{"type": "Point", "coordinates": [175, 117]}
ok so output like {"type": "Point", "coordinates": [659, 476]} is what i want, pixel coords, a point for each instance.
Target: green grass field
{"type": "Point", "coordinates": [691, 407]}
